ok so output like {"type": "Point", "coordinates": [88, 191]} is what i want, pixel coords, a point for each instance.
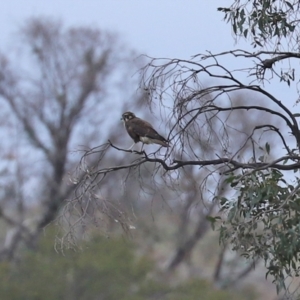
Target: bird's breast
{"type": "Point", "coordinates": [146, 140]}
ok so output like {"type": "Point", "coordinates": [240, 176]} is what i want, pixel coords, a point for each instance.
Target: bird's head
{"type": "Point", "coordinates": [126, 116]}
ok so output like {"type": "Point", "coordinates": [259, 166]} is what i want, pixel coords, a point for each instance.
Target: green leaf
{"type": "Point", "coordinates": [233, 184]}
{"type": "Point", "coordinates": [234, 28]}
{"type": "Point", "coordinates": [289, 5]}
{"type": "Point", "coordinates": [223, 200]}
{"type": "Point", "coordinates": [268, 148]}
{"type": "Point", "coordinates": [258, 43]}
{"type": "Point", "coordinates": [212, 221]}
{"type": "Point", "coordinates": [223, 9]}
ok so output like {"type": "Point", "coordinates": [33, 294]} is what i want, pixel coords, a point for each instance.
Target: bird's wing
{"type": "Point", "coordinates": [145, 129]}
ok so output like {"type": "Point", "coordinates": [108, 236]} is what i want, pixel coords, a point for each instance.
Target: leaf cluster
{"type": "Point", "coordinates": [262, 20]}
{"type": "Point", "coordinates": [263, 221]}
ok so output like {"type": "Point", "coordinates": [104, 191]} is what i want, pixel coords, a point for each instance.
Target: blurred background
{"type": "Point", "coordinates": [68, 70]}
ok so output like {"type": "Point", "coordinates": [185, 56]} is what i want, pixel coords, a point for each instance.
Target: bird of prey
{"type": "Point", "coordinates": [142, 131]}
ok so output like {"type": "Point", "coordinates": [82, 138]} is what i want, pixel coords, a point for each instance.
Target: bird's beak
{"type": "Point", "coordinates": [121, 119]}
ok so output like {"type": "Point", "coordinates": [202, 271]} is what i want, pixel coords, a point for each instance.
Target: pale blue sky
{"type": "Point", "coordinates": [158, 28]}
{"type": "Point", "coordinates": [167, 28]}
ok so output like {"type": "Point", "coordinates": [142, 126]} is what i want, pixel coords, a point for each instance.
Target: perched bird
{"type": "Point", "coordinates": [142, 131]}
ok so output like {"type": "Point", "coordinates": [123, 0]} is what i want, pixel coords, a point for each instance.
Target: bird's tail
{"type": "Point", "coordinates": [162, 143]}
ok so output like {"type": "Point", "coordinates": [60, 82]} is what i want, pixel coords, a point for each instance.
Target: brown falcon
{"type": "Point", "coordinates": [142, 131]}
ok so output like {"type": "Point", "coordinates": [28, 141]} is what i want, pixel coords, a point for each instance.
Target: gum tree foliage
{"type": "Point", "coordinates": [253, 178]}
{"type": "Point", "coordinates": [264, 20]}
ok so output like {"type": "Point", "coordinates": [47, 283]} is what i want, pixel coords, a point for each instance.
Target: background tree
{"type": "Point", "coordinates": [54, 100]}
